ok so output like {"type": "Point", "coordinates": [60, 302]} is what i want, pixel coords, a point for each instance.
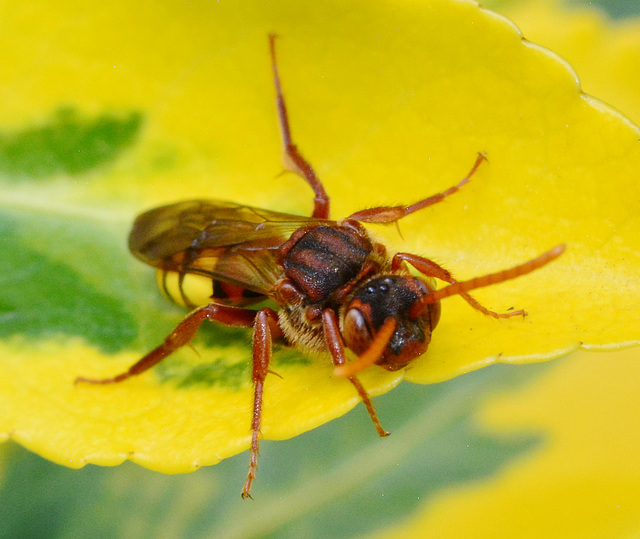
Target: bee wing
{"type": "Point", "coordinates": [226, 241]}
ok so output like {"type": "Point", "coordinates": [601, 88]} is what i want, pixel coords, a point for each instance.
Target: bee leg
{"type": "Point", "coordinates": [292, 158]}
{"type": "Point", "coordinates": [372, 354]}
{"type": "Point", "coordinates": [180, 336]}
{"type": "Point", "coordinates": [390, 214]}
{"type": "Point", "coordinates": [265, 328]}
{"type": "Point", "coordinates": [431, 269]}
{"type": "Point", "coordinates": [336, 348]}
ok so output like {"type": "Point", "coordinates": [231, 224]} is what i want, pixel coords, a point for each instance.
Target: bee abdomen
{"type": "Point", "coordinates": [325, 259]}
{"type": "Point", "coordinates": [193, 290]}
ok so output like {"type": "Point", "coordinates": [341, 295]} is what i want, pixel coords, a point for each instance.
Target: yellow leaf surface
{"type": "Point", "coordinates": [390, 103]}
{"type": "Point", "coordinates": [585, 480]}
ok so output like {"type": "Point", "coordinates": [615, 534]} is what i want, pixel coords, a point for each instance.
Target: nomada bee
{"type": "Point", "coordinates": [336, 287]}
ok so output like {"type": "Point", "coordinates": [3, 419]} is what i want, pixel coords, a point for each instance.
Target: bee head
{"type": "Point", "coordinates": [390, 297]}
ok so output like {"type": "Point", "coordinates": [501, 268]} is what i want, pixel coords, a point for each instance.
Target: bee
{"type": "Point", "coordinates": [336, 287]}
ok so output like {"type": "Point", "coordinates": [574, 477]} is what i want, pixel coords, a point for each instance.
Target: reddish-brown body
{"type": "Point", "coordinates": [335, 286]}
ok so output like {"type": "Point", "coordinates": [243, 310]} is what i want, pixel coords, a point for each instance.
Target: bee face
{"type": "Point", "coordinates": [390, 296]}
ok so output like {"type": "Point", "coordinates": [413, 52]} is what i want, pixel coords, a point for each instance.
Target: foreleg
{"type": "Point", "coordinates": [431, 269]}
{"type": "Point", "coordinates": [336, 348]}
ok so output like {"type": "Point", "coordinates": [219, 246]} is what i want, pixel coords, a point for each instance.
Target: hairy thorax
{"type": "Point", "coordinates": [322, 266]}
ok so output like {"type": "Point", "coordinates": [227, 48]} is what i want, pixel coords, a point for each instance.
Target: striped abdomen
{"type": "Point", "coordinates": [326, 258]}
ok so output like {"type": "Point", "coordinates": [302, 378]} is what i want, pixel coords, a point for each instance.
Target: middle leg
{"type": "Point", "coordinates": [181, 336]}
{"type": "Point", "coordinates": [391, 214]}
{"type": "Point", "coordinates": [265, 329]}
{"type": "Point", "coordinates": [292, 158]}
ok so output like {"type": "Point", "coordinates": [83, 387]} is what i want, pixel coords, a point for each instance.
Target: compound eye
{"type": "Point", "coordinates": [356, 333]}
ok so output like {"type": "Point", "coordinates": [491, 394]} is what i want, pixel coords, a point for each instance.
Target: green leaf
{"type": "Point", "coordinates": [66, 144]}
{"type": "Point", "coordinates": [72, 306]}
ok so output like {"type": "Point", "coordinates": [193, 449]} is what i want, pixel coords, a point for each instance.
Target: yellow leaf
{"type": "Point", "coordinates": [584, 481]}
{"type": "Point", "coordinates": [389, 103]}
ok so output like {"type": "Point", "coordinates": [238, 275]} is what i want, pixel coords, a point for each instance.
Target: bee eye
{"type": "Point", "coordinates": [356, 333]}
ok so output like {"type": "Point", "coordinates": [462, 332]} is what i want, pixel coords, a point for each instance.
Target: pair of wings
{"type": "Point", "coordinates": [222, 240]}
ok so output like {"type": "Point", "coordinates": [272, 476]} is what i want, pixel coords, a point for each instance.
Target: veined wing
{"type": "Point", "coordinates": [225, 241]}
